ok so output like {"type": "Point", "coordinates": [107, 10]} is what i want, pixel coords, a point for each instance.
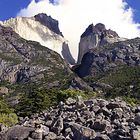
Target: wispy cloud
{"type": "Point", "coordinates": [75, 15]}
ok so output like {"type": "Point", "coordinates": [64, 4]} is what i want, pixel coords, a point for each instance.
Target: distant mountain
{"type": "Point", "coordinates": [43, 29]}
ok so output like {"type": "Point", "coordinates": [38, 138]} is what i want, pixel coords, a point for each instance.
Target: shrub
{"type": "Point", "coordinates": [131, 101]}
{"type": "Point", "coordinates": [40, 99]}
{"type": "Point", "coordinates": [33, 102]}
{"type": "Point", "coordinates": [7, 115]}
{"type": "Point", "coordinates": [8, 119]}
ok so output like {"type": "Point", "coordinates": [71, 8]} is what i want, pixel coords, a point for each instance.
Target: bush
{"type": "Point", "coordinates": [62, 95]}
{"type": "Point", "coordinates": [4, 107]}
{"type": "Point", "coordinates": [8, 119]}
{"type": "Point", "coordinates": [131, 101]}
{"type": "Point", "coordinates": [7, 115]}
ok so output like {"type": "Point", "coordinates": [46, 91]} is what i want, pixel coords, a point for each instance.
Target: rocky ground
{"type": "Point", "coordinates": [78, 119]}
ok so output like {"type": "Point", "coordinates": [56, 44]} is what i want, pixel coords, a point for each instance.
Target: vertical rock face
{"type": "Point", "coordinates": [41, 28]}
{"type": "Point", "coordinates": [66, 54]}
{"type": "Point", "coordinates": [96, 36]}
{"type": "Point", "coordinates": [49, 22]}
{"type": "Point", "coordinates": [23, 61]}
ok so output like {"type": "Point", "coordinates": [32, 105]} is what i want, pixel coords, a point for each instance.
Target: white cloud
{"type": "Point", "coordinates": [75, 15]}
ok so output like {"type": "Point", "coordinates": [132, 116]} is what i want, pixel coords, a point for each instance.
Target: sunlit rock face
{"type": "Point", "coordinates": [96, 36]}
{"type": "Point", "coordinates": [41, 28]}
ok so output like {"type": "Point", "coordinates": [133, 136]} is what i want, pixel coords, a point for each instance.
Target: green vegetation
{"type": "Point", "coordinates": [125, 82]}
{"type": "Point", "coordinates": [8, 119]}
{"type": "Point", "coordinates": [38, 100]}
{"type": "Point", "coordinates": [132, 101]}
{"type": "Point", "coordinates": [7, 115]}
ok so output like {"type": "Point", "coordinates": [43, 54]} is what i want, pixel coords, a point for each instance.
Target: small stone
{"type": "Point", "coordinates": [70, 101]}
{"type": "Point", "coordinates": [3, 128]}
{"type": "Point", "coordinates": [113, 105]}
{"type": "Point", "coordinates": [50, 136]}
{"type": "Point", "coordinates": [101, 125]}
{"type": "Point", "coordinates": [45, 130]}
{"type": "Point", "coordinates": [29, 138]}
{"type": "Point", "coordinates": [68, 131]}
{"type": "Point", "coordinates": [105, 111]}
{"type": "Point", "coordinates": [136, 134]}
{"type": "Point", "coordinates": [89, 103]}
{"type": "Point", "coordinates": [37, 135]}
{"type": "Point", "coordinates": [80, 102]}
{"type": "Point", "coordinates": [102, 137]}
{"type": "Point", "coordinates": [58, 125]}
{"type": "Point", "coordinates": [48, 123]}
{"type": "Point", "coordinates": [118, 112]}
{"type": "Point", "coordinates": [61, 105]}
{"type": "Point", "coordinates": [102, 103]}
{"type": "Point", "coordinates": [95, 108]}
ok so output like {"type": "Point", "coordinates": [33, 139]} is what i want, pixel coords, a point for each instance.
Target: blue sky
{"type": "Point", "coordinates": [135, 4]}
{"type": "Point", "coordinates": [9, 8]}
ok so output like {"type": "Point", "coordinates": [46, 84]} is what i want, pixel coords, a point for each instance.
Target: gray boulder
{"type": "Point", "coordinates": [18, 132]}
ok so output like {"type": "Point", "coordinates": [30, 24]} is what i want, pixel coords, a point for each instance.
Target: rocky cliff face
{"type": "Point", "coordinates": [41, 28]}
{"type": "Point", "coordinates": [108, 57]}
{"type": "Point", "coordinates": [96, 36]}
{"type": "Point", "coordinates": [26, 62]}
{"type": "Point", "coordinates": [101, 50]}
{"type": "Point", "coordinates": [66, 54]}
{"type": "Point", "coordinates": [22, 61]}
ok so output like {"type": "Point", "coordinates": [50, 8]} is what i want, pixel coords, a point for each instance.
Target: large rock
{"type": "Point", "coordinates": [81, 132]}
{"type": "Point", "coordinates": [79, 120]}
{"type": "Point", "coordinates": [18, 132]}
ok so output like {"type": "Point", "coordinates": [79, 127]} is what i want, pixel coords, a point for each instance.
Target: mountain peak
{"type": "Point", "coordinates": [100, 30]}
{"type": "Point", "coordinates": [41, 28]}
{"type": "Point", "coordinates": [48, 21]}
{"type": "Point", "coordinates": [100, 27]}
{"type": "Point", "coordinates": [96, 36]}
